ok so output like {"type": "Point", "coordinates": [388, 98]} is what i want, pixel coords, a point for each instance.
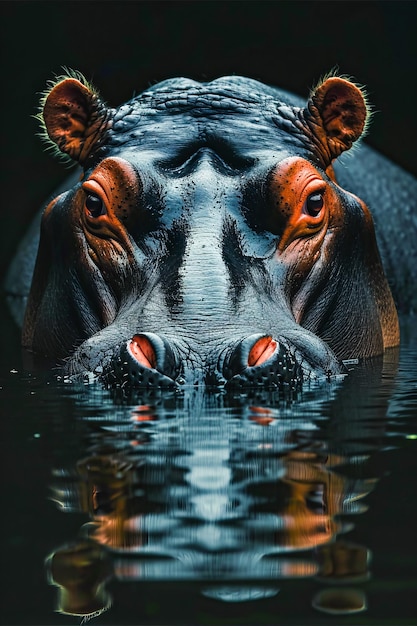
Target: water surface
{"type": "Point", "coordinates": [208, 508]}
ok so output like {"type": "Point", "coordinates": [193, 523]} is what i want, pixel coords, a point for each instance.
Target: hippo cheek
{"type": "Point", "coordinates": [261, 361]}
{"type": "Point", "coordinates": [145, 361]}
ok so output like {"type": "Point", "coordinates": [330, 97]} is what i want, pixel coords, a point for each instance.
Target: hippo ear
{"type": "Point", "coordinates": [73, 116]}
{"type": "Point", "coordinates": [337, 114]}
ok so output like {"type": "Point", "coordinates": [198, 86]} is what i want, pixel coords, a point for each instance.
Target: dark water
{"type": "Point", "coordinates": [207, 508]}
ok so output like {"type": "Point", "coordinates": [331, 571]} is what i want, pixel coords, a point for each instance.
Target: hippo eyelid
{"type": "Point", "coordinates": [312, 191]}
{"type": "Point", "coordinates": [314, 204]}
{"type": "Point", "coordinates": [94, 203]}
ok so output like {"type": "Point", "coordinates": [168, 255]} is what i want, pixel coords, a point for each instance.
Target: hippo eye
{"type": "Point", "coordinates": [314, 204]}
{"type": "Point", "coordinates": [94, 205]}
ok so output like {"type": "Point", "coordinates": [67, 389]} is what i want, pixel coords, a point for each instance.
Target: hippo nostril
{"type": "Point", "coordinates": [141, 348]}
{"type": "Point", "coordinates": [146, 360]}
{"type": "Point", "coordinates": [251, 351]}
{"type": "Point", "coordinates": [153, 351]}
{"type": "Point", "coordinates": [262, 350]}
{"type": "Point", "coordinates": [260, 360]}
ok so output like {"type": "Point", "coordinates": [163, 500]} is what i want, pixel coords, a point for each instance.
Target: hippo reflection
{"type": "Point", "coordinates": [227, 499]}
{"type": "Point", "coordinates": [208, 239]}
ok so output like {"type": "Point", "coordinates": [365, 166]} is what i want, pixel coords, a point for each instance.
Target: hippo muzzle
{"type": "Point", "coordinates": [151, 361]}
{"type": "Point", "coordinates": [207, 240]}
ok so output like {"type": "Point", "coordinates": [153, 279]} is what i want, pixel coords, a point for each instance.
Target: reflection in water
{"type": "Point", "coordinates": [340, 601]}
{"type": "Point", "coordinates": [237, 493]}
{"type": "Point", "coordinates": [81, 570]}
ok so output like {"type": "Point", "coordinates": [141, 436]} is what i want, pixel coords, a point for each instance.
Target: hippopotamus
{"type": "Point", "coordinates": [211, 236]}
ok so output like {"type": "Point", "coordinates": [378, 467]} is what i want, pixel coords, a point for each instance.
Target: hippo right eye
{"type": "Point", "coordinates": [94, 205]}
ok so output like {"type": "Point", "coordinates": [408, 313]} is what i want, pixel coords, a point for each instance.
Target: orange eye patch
{"type": "Point", "coordinates": [111, 191]}
{"type": "Point", "coordinates": [303, 200]}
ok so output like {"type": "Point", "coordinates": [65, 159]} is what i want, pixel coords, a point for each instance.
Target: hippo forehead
{"type": "Point", "coordinates": [234, 116]}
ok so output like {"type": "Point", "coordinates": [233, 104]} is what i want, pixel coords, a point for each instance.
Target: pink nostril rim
{"type": "Point", "coordinates": [142, 350]}
{"type": "Point", "coordinates": [261, 351]}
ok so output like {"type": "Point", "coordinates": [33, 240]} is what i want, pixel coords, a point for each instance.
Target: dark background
{"type": "Point", "coordinates": [125, 46]}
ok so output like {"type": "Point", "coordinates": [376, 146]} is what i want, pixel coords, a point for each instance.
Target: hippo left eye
{"type": "Point", "coordinates": [94, 205]}
{"type": "Point", "coordinates": [314, 204]}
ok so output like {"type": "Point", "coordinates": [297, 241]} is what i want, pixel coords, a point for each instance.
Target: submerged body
{"type": "Point", "coordinates": [208, 238]}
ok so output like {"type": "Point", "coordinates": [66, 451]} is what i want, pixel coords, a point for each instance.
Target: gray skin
{"type": "Point", "coordinates": [193, 260]}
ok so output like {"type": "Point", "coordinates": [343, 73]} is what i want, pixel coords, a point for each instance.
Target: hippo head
{"type": "Point", "coordinates": [207, 238]}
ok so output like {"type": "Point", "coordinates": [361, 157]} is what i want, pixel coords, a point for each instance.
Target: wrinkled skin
{"type": "Point", "coordinates": [207, 238]}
